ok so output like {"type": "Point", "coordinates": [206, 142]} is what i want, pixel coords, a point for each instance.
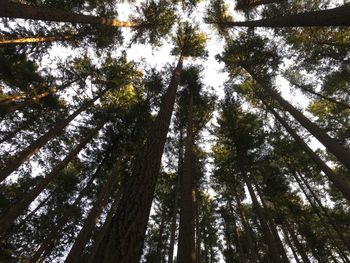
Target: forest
{"type": "Point", "coordinates": [174, 131]}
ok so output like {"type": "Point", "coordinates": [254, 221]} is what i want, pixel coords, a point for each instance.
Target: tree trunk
{"type": "Point", "coordinates": [290, 244]}
{"type": "Point", "coordinates": [296, 242]}
{"type": "Point", "coordinates": [93, 258]}
{"type": "Point", "coordinates": [176, 201]}
{"type": "Point", "coordinates": [247, 4]}
{"type": "Point", "coordinates": [130, 222]}
{"type": "Point", "coordinates": [338, 16]}
{"type": "Point", "coordinates": [272, 246]}
{"type": "Point", "coordinates": [340, 184]}
{"type": "Point", "coordinates": [17, 10]}
{"type": "Point", "coordinates": [272, 225]}
{"type": "Point", "coordinates": [308, 90]}
{"type": "Point", "coordinates": [16, 210]}
{"type": "Point", "coordinates": [342, 154]}
{"type": "Point", "coordinates": [55, 231]}
{"type": "Point", "coordinates": [33, 40]}
{"type": "Point", "coordinates": [186, 252]}
{"type": "Point", "coordinates": [16, 161]}
{"type": "Point", "coordinates": [198, 230]}
{"type": "Point", "coordinates": [95, 212]}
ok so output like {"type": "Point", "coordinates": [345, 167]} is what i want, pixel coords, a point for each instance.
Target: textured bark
{"type": "Point", "coordinates": [16, 210]}
{"type": "Point", "coordinates": [338, 16]}
{"type": "Point", "coordinates": [16, 161]}
{"type": "Point", "coordinates": [176, 201]}
{"type": "Point", "coordinates": [342, 154]}
{"type": "Point", "coordinates": [101, 201]}
{"type": "Point", "coordinates": [55, 231]}
{"type": "Point", "coordinates": [129, 225]}
{"type": "Point", "coordinates": [339, 183]}
{"type": "Point", "coordinates": [17, 10]}
{"type": "Point", "coordinates": [246, 4]}
{"type": "Point", "coordinates": [186, 246]}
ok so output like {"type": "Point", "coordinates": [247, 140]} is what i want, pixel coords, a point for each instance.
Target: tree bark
{"type": "Point", "coordinates": [338, 16]}
{"type": "Point", "coordinates": [296, 242]}
{"type": "Point", "coordinates": [186, 246]}
{"type": "Point", "coordinates": [17, 10]}
{"type": "Point", "coordinates": [340, 184]}
{"type": "Point", "coordinates": [129, 225]}
{"type": "Point", "coordinates": [16, 161]}
{"type": "Point", "coordinates": [16, 210]}
{"type": "Point", "coordinates": [33, 40]}
{"type": "Point", "coordinates": [290, 244]}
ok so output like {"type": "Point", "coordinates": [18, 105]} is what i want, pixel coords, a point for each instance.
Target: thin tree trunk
{"type": "Point", "coordinates": [340, 184]}
{"type": "Point", "coordinates": [16, 161]}
{"type": "Point", "coordinates": [342, 154]}
{"type": "Point", "coordinates": [55, 231]}
{"type": "Point", "coordinates": [246, 4]}
{"type": "Point", "coordinates": [272, 246]}
{"type": "Point", "coordinates": [176, 201]}
{"type": "Point", "coordinates": [290, 244]}
{"type": "Point", "coordinates": [306, 89]}
{"type": "Point", "coordinates": [17, 10]}
{"type": "Point", "coordinates": [299, 246]}
{"type": "Point", "coordinates": [186, 252]}
{"type": "Point", "coordinates": [103, 232]}
{"type": "Point", "coordinates": [33, 40]}
{"type": "Point", "coordinates": [95, 212]}
{"type": "Point", "coordinates": [16, 210]}
{"type": "Point", "coordinates": [198, 231]}
{"type": "Point", "coordinates": [272, 225]}
{"type": "Point", "coordinates": [338, 16]}
{"type": "Point", "coordinates": [130, 222]}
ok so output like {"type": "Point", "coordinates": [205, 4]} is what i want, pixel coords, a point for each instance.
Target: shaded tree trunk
{"type": "Point", "coordinates": [129, 225]}
{"type": "Point", "coordinates": [246, 4]}
{"type": "Point", "coordinates": [16, 161]}
{"type": "Point", "coordinates": [16, 210]}
{"type": "Point", "coordinates": [176, 201]}
{"type": "Point", "coordinates": [340, 184]}
{"type": "Point", "coordinates": [55, 231]}
{"type": "Point", "coordinates": [95, 212]}
{"type": "Point", "coordinates": [342, 154]}
{"type": "Point", "coordinates": [338, 16]}
{"type": "Point", "coordinates": [17, 10]}
{"type": "Point", "coordinates": [290, 244]}
{"type": "Point", "coordinates": [186, 252]}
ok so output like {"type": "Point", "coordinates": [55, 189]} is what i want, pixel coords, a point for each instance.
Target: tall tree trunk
{"type": "Point", "coordinates": [9, 106]}
{"type": "Point", "coordinates": [16, 210]}
{"type": "Point", "coordinates": [94, 214]}
{"type": "Point", "coordinates": [176, 201]}
{"type": "Point", "coordinates": [33, 40]}
{"type": "Point", "coordinates": [290, 244]}
{"type": "Point", "coordinates": [311, 91]}
{"type": "Point", "coordinates": [254, 255]}
{"type": "Point", "coordinates": [16, 161]}
{"type": "Point", "coordinates": [198, 230]}
{"type": "Point", "coordinates": [186, 252]}
{"type": "Point", "coordinates": [340, 184]}
{"type": "Point", "coordinates": [17, 10]}
{"type": "Point", "coordinates": [129, 225]}
{"type": "Point", "coordinates": [93, 258]}
{"type": "Point", "coordinates": [272, 245]}
{"type": "Point", "coordinates": [55, 231]}
{"type": "Point", "coordinates": [272, 225]}
{"type": "Point", "coordinates": [246, 4]}
{"type": "Point", "coordinates": [297, 244]}
{"type": "Point", "coordinates": [342, 154]}
{"type": "Point", "coordinates": [338, 16]}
